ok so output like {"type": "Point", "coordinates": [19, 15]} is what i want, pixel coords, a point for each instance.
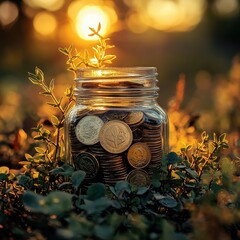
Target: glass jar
{"type": "Point", "coordinates": [117, 131]}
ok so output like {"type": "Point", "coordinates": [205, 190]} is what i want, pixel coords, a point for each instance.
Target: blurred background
{"type": "Point", "coordinates": [197, 38]}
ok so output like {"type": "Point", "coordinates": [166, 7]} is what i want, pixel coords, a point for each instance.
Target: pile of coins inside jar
{"type": "Point", "coordinates": [112, 146]}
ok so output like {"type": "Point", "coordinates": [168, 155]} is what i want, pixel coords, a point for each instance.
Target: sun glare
{"type": "Point", "coordinates": [90, 16]}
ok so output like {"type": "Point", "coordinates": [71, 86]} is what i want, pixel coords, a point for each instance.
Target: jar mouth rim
{"type": "Point", "coordinates": [110, 72]}
{"type": "Point", "coordinates": [117, 68]}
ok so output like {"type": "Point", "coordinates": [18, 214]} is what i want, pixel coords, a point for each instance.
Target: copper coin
{"type": "Point", "coordinates": [87, 130]}
{"type": "Point", "coordinates": [115, 136]}
{"type": "Point", "coordinates": [139, 178]}
{"type": "Point", "coordinates": [87, 163]}
{"type": "Point", "coordinates": [139, 155]}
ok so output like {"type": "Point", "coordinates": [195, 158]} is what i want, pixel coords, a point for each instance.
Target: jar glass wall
{"type": "Point", "coordinates": [117, 131]}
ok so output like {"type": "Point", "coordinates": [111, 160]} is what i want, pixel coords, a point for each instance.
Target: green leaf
{"type": "Point", "coordinates": [99, 27]}
{"type": "Point", "coordinates": [103, 232]}
{"type": "Point", "coordinates": [109, 57]}
{"type": "Point", "coordinates": [168, 202]}
{"type": "Point", "coordinates": [40, 150]}
{"type": "Point", "coordinates": [156, 180]}
{"type": "Point", "coordinates": [53, 104]}
{"type": "Point", "coordinates": [77, 178]}
{"type": "Point", "coordinates": [172, 158]}
{"type": "Point", "coordinates": [57, 202]}
{"type": "Point", "coordinates": [4, 170]}
{"type": "Point", "coordinates": [33, 201]}
{"type": "Point", "coordinates": [222, 137]}
{"type": "Point", "coordinates": [24, 163]}
{"type": "Point", "coordinates": [64, 170]}
{"type": "Point", "coordinates": [28, 157]}
{"type": "Point", "coordinates": [107, 61]}
{"type": "Point", "coordinates": [190, 184]}
{"type": "Point", "coordinates": [180, 174]}
{"type": "Point", "coordinates": [97, 206]}
{"type": "Point", "coordinates": [92, 29]}
{"type": "Point", "coordinates": [192, 173]}
{"type": "Point", "coordinates": [45, 93]}
{"type": "Point", "coordinates": [55, 121]}
{"type": "Point", "coordinates": [142, 190]}
{"type": "Point", "coordinates": [71, 69]}
{"type": "Point", "coordinates": [25, 181]}
{"type": "Point", "coordinates": [214, 137]}
{"type": "Point", "coordinates": [3, 177]}
{"type": "Point", "coordinates": [64, 51]}
{"type": "Point", "coordinates": [228, 167]}
{"type": "Point", "coordinates": [121, 187]}
{"type": "Point", "coordinates": [34, 81]}
{"type": "Point", "coordinates": [51, 85]}
{"type": "Point", "coordinates": [95, 191]}
{"type": "Point", "coordinates": [70, 48]}
{"type": "Point", "coordinates": [39, 73]}
{"type": "Point", "coordinates": [39, 138]}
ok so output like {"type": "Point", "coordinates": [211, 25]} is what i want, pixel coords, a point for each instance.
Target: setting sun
{"type": "Point", "coordinates": [90, 16]}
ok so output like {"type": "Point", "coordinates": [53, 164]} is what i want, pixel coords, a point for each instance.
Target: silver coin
{"type": "Point", "coordinates": [88, 128]}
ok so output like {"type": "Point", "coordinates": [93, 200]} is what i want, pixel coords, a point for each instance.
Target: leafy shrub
{"type": "Point", "coordinates": [195, 194]}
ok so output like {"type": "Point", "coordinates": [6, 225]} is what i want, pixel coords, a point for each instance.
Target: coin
{"type": "Point", "coordinates": [134, 118]}
{"type": "Point", "coordinates": [139, 178]}
{"type": "Point", "coordinates": [87, 163]}
{"type": "Point", "coordinates": [115, 115]}
{"type": "Point", "coordinates": [139, 155]}
{"type": "Point", "coordinates": [87, 130]}
{"type": "Point", "coordinates": [137, 134]}
{"type": "Point", "coordinates": [115, 136]}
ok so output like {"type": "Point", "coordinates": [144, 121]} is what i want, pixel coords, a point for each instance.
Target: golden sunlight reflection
{"type": "Point", "coordinates": [226, 7]}
{"type": "Point", "coordinates": [51, 5]}
{"type": "Point", "coordinates": [167, 15]}
{"type": "Point", "coordinates": [90, 16]}
{"type": "Point", "coordinates": [8, 13]}
{"type": "Point", "coordinates": [85, 14]}
{"type": "Point", "coordinates": [45, 23]}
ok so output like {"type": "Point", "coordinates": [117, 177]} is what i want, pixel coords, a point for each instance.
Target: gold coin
{"type": "Point", "coordinates": [115, 136]}
{"type": "Point", "coordinates": [134, 118]}
{"type": "Point", "coordinates": [87, 130]}
{"type": "Point", "coordinates": [139, 155]}
{"type": "Point", "coordinates": [139, 178]}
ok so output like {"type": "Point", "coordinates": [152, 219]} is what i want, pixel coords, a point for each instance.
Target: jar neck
{"type": "Point", "coordinates": [116, 86]}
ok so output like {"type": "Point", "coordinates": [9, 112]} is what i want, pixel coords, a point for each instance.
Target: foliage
{"type": "Point", "coordinates": [76, 59]}
{"type": "Point", "coordinates": [195, 194]}
{"type": "Point", "coordinates": [196, 185]}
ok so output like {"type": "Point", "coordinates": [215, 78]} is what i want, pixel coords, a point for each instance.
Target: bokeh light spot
{"type": "Point", "coordinates": [167, 15]}
{"type": "Point", "coordinates": [45, 23]}
{"type": "Point", "coordinates": [226, 7]}
{"type": "Point", "coordinates": [51, 5]}
{"type": "Point", "coordinates": [135, 23]}
{"type": "Point", "coordinates": [8, 13]}
{"type": "Point", "coordinates": [164, 13]}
